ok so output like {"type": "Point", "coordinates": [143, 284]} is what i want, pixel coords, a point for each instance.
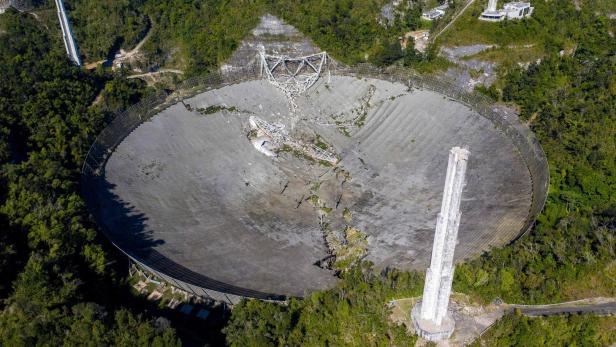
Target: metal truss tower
{"type": "Point", "coordinates": [293, 75]}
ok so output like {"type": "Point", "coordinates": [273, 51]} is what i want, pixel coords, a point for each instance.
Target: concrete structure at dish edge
{"type": "Point", "coordinates": [430, 318]}
{"type": "Point", "coordinates": [19, 5]}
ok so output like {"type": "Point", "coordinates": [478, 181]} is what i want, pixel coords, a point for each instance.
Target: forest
{"type": "Point", "coordinates": [56, 287]}
{"type": "Point", "coordinates": [568, 330]}
{"type": "Point", "coordinates": [197, 36]}
{"type": "Point", "coordinates": [62, 283]}
{"type": "Point", "coordinates": [569, 102]}
{"type": "Point", "coordinates": [351, 314]}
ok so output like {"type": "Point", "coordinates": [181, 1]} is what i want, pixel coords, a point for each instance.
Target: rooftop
{"type": "Point", "coordinates": [517, 5]}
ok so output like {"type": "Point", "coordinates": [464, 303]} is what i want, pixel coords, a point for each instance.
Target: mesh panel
{"type": "Point", "coordinates": [106, 142]}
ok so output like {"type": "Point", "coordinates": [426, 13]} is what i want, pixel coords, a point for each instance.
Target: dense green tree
{"type": "Point", "coordinates": [198, 35]}
{"type": "Point", "coordinates": [348, 30]}
{"type": "Point", "coordinates": [389, 54]}
{"type": "Point", "coordinates": [567, 330]}
{"type": "Point", "coordinates": [120, 92]}
{"type": "Point", "coordinates": [570, 104]}
{"type": "Point", "coordinates": [411, 55]}
{"type": "Point", "coordinates": [47, 245]}
{"type": "Point", "coordinates": [354, 313]}
{"type": "Point", "coordinates": [103, 26]}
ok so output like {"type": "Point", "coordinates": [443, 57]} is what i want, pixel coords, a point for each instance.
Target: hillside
{"type": "Point", "coordinates": [64, 283]}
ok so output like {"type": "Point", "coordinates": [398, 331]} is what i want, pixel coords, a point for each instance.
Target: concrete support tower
{"type": "Point", "coordinates": [491, 6]}
{"type": "Point", "coordinates": [430, 316]}
{"type": "Point", "coordinates": [67, 34]}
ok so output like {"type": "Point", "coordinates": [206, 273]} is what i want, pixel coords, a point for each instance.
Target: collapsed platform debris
{"type": "Point", "coordinates": [270, 138]}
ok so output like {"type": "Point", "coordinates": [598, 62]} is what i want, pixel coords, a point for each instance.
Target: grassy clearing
{"type": "Point", "coordinates": [468, 30]}
{"type": "Point", "coordinates": [510, 56]}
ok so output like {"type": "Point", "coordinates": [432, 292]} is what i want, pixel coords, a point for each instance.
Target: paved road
{"type": "Point", "coordinates": [603, 309]}
{"type": "Point", "coordinates": [452, 20]}
{"type": "Point", "coordinates": [157, 73]}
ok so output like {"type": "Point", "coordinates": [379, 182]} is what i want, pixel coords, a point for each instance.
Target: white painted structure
{"type": "Point", "coordinates": [67, 34]}
{"type": "Point", "coordinates": [491, 6]}
{"type": "Point", "coordinates": [440, 273]}
{"type": "Point", "coordinates": [263, 144]}
{"type": "Point", "coordinates": [511, 10]}
{"type": "Point", "coordinates": [432, 14]}
{"type": "Point", "coordinates": [491, 14]}
{"type": "Point", "coordinates": [435, 13]}
{"type": "Point", "coordinates": [431, 317]}
{"type": "Point", "coordinates": [518, 10]}
{"type": "Point", "coordinates": [270, 137]}
{"type": "Point", "coordinates": [4, 5]}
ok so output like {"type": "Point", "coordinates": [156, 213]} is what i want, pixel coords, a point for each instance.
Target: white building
{"type": "Point", "coordinates": [511, 10]}
{"type": "Point", "coordinates": [517, 10]}
{"type": "Point", "coordinates": [433, 14]}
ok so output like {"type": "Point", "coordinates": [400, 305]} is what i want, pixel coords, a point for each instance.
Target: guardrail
{"type": "Point", "coordinates": [93, 169]}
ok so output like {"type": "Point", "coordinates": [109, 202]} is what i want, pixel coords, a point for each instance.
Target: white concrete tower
{"type": "Point", "coordinates": [67, 34]}
{"type": "Point", "coordinates": [430, 318]}
{"type": "Point", "coordinates": [491, 6]}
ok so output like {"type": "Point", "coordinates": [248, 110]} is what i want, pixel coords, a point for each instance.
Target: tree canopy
{"type": "Point", "coordinates": [48, 247]}
{"type": "Point", "coordinates": [352, 314]}
{"type": "Point", "coordinates": [570, 103]}
{"type": "Point", "coordinates": [568, 330]}
{"type": "Point", "coordinates": [55, 270]}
